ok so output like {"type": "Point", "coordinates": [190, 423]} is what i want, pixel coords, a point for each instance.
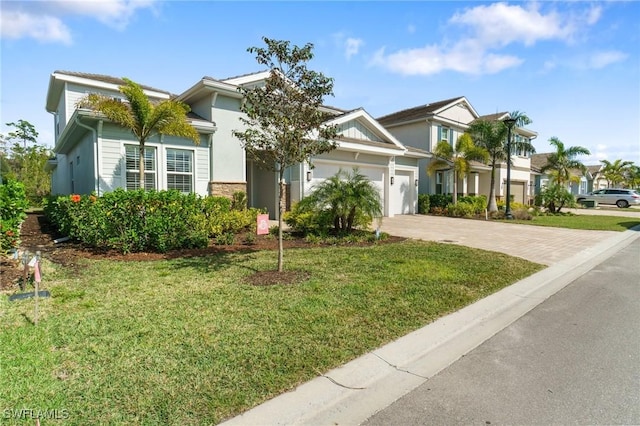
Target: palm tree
{"type": "Point", "coordinates": [143, 117]}
{"type": "Point", "coordinates": [457, 158]}
{"type": "Point", "coordinates": [615, 172]}
{"type": "Point", "coordinates": [633, 176]}
{"type": "Point", "coordinates": [347, 196]}
{"type": "Point", "coordinates": [561, 162]}
{"type": "Point", "coordinates": [492, 136]}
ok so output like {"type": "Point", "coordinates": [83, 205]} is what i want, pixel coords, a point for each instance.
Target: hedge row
{"type": "Point", "coordinates": [157, 221]}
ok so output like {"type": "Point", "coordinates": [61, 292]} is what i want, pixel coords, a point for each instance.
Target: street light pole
{"type": "Point", "coordinates": [509, 122]}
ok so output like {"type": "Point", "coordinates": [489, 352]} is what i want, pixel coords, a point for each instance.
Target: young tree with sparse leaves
{"type": "Point", "coordinates": [284, 123]}
{"type": "Point", "coordinates": [143, 117]}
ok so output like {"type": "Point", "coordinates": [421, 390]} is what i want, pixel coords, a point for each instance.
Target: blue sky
{"type": "Point", "coordinates": [572, 67]}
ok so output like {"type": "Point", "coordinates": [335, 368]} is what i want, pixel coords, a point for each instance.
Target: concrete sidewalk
{"type": "Point", "coordinates": [350, 394]}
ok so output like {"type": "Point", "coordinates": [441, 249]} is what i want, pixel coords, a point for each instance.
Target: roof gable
{"type": "Point", "coordinates": [425, 111]}
{"type": "Point", "coordinates": [358, 126]}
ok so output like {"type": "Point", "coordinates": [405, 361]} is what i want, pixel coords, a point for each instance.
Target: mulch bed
{"type": "Point", "coordinates": [36, 234]}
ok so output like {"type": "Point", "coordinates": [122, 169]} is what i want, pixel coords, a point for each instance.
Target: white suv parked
{"type": "Point", "coordinates": [619, 196]}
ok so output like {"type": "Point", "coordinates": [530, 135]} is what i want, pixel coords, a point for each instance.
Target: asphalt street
{"type": "Point", "coordinates": [574, 359]}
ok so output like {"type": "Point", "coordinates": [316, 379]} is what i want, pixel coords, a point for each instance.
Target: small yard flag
{"type": "Point", "coordinates": [36, 274]}
{"type": "Point", "coordinates": [263, 224]}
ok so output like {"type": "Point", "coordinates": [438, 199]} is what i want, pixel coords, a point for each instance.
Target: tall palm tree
{"type": "Point", "coordinates": [143, 117]}
{"type": "Point", "coordinates": [615, 172]}
{"type": "Point", "coordinates": [561, 162]}
{"type": "Point", "coordinates": [492, 136]}
{"type": "Point", "coordinates": [457, 158]}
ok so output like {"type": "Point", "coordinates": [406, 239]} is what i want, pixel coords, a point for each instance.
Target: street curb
{"type": "Point", "coordinates": [350, 394]}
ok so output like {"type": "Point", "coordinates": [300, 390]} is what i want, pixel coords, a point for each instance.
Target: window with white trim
{"type": "Point", "coordinates": [133, 167]}
{"type": "Point", "coordinates": [180, 170]}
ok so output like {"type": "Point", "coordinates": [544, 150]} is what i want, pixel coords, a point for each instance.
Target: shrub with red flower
{"type": "Point", "coordinates": [75, 198]}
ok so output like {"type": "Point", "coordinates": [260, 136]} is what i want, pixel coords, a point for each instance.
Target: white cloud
{"type": "Point", "coordinates": [464, 57]}
{"type": "Point", "coordinates": [44, 21]}
{"type": "Point", "coordinates": [352, 46]}
{"type": "Point", "coordinates": [485, 30]}
{"type": "Point", "coordinates": [48, 29]}
{"type": "Point", "coordinates": [500, 24]}
{"type": "Point", "coordinates": [602, 59]}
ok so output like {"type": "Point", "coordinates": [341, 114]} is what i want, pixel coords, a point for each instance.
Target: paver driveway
{"type": "Point", "coordinates": [538, 244]}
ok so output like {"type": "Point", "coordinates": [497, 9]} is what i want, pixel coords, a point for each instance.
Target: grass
{"type": "Point", "coordinates": [588, 222]}
{"type": "Point", "coordinates": [187, 342]}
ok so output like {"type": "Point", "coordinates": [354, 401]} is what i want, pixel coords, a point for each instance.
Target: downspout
{"type": "Point", "coordinates": [95, 158]}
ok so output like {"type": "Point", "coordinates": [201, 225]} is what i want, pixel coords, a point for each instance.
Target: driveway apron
{"type": "Point", "coordinates": [544, 245]}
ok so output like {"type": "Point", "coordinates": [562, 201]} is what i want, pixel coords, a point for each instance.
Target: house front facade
{"type": "Point", "coordinates": [424, 126]}
{"type": "Point", "coordinates": [93, 155]}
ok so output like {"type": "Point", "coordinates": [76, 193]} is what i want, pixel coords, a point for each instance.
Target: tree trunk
{"type": "Point", "coordinates": [492, 206]}
{"type": "Point", "coordinates": [282, 206]}
{"type": "Point", "coordinates": [454, 195]}
{"type": "Point", "coordinates": [143, 185]}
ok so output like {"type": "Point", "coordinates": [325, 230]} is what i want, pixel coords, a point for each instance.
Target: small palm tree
{"type": "Point", "coordinates": [561, 162]}
{"type": "Point", "coordinates": [143, 117]}
{"type": "Point", "coordinates": [348, 197]}
{"type": "Point", "coordinates": [458, 159]}
{"type": "Point", "coordinates": [615, 172]}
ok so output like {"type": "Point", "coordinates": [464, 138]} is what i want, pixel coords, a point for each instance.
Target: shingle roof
{"type": "Point", "coordinates": [106, 79]}
{"type": "Point", "coordinates": [539, 160]}
{"type": "Point", "coordinates": [415, 113]}
{"type": "Point", "coordinates": [492, 117]}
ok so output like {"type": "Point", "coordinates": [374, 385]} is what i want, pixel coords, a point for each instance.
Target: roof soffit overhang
{"type": "Point", "coordinates": [58, 80]}
{"type": "Point", "coordinates": [206, 87]}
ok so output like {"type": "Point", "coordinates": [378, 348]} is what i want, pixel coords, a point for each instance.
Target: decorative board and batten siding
{"type": "Point", "coordinates": [356, 130]}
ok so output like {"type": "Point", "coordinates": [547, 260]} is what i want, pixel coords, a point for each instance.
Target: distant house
{"type": "Point", "coordinates": [582, 184]}
{"type": "Point", "coordinates": [94, 155]}
{"type": "Point", "coordinates": [424, 126]}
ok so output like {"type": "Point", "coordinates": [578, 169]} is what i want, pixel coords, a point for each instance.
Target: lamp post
{"type": "Point", "coordinates": [509, 122]}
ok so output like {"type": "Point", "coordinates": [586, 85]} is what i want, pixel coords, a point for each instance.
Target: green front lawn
{"type": "Point", "coordinates": [584, 221]}
{"type": "Point", "coordinates": [187, 341]}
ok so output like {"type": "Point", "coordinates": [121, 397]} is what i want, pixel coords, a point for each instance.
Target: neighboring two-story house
{"type": "Point", "coordinates": [95, 155]}
{"type": "Point", "coordinates": [424, 126]}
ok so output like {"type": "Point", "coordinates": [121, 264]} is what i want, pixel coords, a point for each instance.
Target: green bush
{"type": "Point", "coordinates": [440, 201]}
{"type": "Point", "coordinates": [423, 203]}
{"type": "Point", "coordinates": [13, 206]}
{"type": "Point", "coordinates": [478, 202]}
{"type": "Point", "coordinates": [131, 221]}
{"type": "Point", "coordinates": [461, 210]}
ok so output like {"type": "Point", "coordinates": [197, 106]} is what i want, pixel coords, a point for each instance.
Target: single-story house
{"type": "Point", "coordinates": [93, 155]}
{"type": "Point", "coordinates": [581, 183]}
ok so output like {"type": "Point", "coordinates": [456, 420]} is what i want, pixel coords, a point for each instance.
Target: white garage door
{"type": "Point", "coordinates": [376, 175]}
{"type": "Point", "coordinates": [402, 193]}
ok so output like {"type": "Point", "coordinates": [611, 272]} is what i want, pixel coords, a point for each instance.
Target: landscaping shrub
{"type": "Point", "coordinates": [423, 203]}
{"type": "Point", "coordinates": [461, 210]}
{"type": "Point", "coordinates": [346, 201]}
{"type": "Point", "coordinates": [478, 202]}
{"type": "Point", "coordinates": [13, 206]}
{"type": "Point", "coordinates": [131, 221]}
{"type": "Point", "coordinates": [439, 201]}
